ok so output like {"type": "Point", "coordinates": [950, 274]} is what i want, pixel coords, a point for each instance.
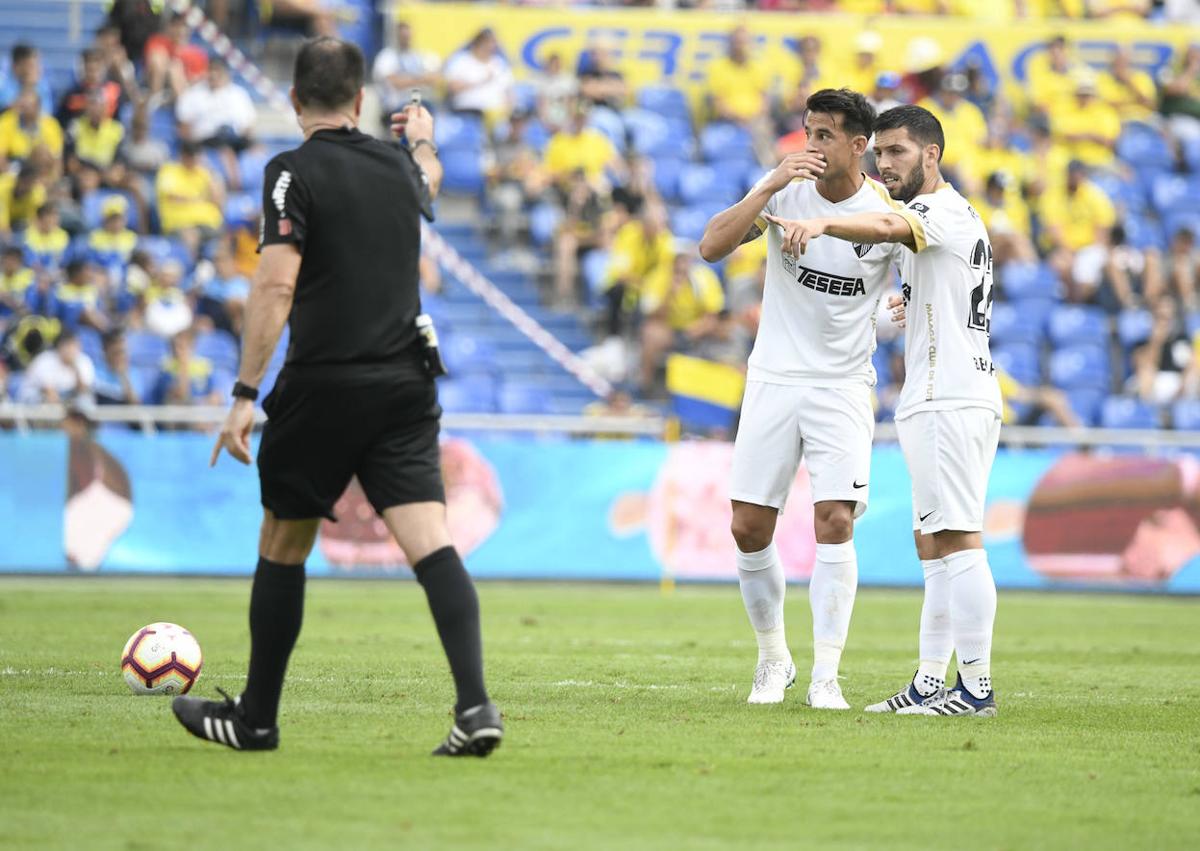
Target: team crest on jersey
{"type": "Point", "coordinates": [860, 249]}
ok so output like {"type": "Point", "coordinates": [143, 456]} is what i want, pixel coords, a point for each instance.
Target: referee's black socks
{"type": "Point", "coordinates": [455, 608]}
{"type": "Point", "coordinates": [276, 612]}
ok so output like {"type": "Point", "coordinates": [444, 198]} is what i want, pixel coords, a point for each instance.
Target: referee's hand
{"type": "Point", "coordinates": [235, 433]}
{"type": "Point", "coordinates": [413, 123]}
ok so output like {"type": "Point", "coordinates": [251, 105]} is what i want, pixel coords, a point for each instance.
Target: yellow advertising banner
{"type": "Point", "coordinates": [675, 47]}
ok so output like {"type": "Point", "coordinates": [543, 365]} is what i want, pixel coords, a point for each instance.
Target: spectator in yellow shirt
{"type": "Point", "coordinates": [1128, 90]}
{"type": "Point", "coordinates": [1086, 126]}
{"type": "Point", "coordinates": [25, 128]}
{"type": "Point", "coordinates": [95, 138]}
{"type": "Point", "coordinates": [861, 76]}
{"type": "Point", "coordinates": [737, 86]}
{"type": "Point", "coordinates": [997, 154]}
{"type": "Point", "coordinates": [20, 196]}
{"type": "Point", "coordinates": [640, 248]}
{"type": "Point", "coordinates": [578, 150]}
{"type": "Point", "coordinates": [1078, 222]}
{"type": "Point", "coordinates": [189, 197]}
{"type": "Point", "coordinates": [45, 241]}
{"type": "Point", "coordinates": [1050, 76]}
{"type": "Point", "coordinates": [961, 120]}
{"type": "Point", "coordinates": [15, 280]}
{"type": "Point", "coordinates": [681, 304]}
{"type": "Point", "coordinates": [1006, 217]}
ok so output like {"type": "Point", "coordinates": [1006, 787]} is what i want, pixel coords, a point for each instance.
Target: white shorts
{"type": "Point", "coordinates": [949, 456]}
{"type": "Point", "coordinates": [830, 428]}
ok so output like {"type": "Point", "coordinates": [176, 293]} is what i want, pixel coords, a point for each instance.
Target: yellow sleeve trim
{"type": "Point", "coordinates": [882, 192]}
{"type": "Point", "coordinates": [918, 229]}
{"type": "Point", "coordinates": [762, 224]}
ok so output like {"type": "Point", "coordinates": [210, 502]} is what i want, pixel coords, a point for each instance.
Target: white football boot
{"type": "Point", "coordinates": [826, 694]}
{"type": "Point", "coordinates": [771, 680]}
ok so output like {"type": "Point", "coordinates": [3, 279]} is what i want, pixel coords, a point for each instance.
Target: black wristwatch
{"type": "Point", "coordinates": [413, 147]}
{"type": "Point", "coordinates": [244, 391]}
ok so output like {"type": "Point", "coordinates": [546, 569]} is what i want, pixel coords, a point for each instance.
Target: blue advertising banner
{"type": "Point", "coordinates": [530, 509]}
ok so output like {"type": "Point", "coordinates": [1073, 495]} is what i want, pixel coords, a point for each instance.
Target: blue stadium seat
{"type": "Point", "coordinates": [593, 268]}
{"type": "Point", "coordinates": [242, 209]}
{"type": "Point", "coordinates": [467, 395]}
{"type": "Point", "coordinates": [1133, 327]}
{"type": "Point", "coordinates": [1083, 366]}
{"type": "Point", "coordinates": [1191, 154]}
{"type": "Point", "coordinates": [89, 341]}
{"type": "Point", "coordinates": [146, 349]}
{"type": "Point", "coordinates": [536, 135]}
{"type": "Point", "coordinates": [251, 164]}
{"type": "Point", "coordinates": [1127, 412]}
{"type": "Point", "coordinates": [1021, 361]}
{"type": "Point", "coordinates": [709, 186]}
{"type": "Point", "coordinates": [1011, 325]}
{"type": "Point", "coordinates": [1145, 148]}
{"type": "Point", "coordinates": [1192, 322]}
{"type": "Point", "coordinates": [1175, 193]}
{"type": "Point", "coordinates": [524, 96]}
{"type": "Point", "coordinates": [1072, 324]}
{"type": "Point", "coordinates": [1143, 232]}
{"type": "Point", "coordinates": [543, 222]}
{"type": "Point", "coordinates": [517, 398]}
{"type": "Point", "coordinates": [610, 124]}
{"type": "Point", "coordinates": [689, 222]}
{"type": "Point", "coordinates": [463, 169]}
{"type": "Point", "coordinates": [724, 142]}
{"type": "Point", "coordinates": [646, 130]}
{"type": "Point", "coordinates": [220, 347]}
{"type": "Point", "coordinates": [458, 132]}
{"type": "Point", "coordinates": [1086, 402]}
{"type": "Point", "coordinates": [1185, 415]}
{"type": "Point", "coordinates": [1179, 220]}
{"type": "Point", "coordinates": [668, 102]}
{"type": "Point", "coordinates": [1022, 280]}
{"type": "Point", "coordinates": [1124, 193]}
{"type": "Point", "coordinates": [666, 177]}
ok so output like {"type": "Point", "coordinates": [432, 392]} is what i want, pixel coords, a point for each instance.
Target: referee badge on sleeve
{"type": "Point", "coordinates": [285, 227]}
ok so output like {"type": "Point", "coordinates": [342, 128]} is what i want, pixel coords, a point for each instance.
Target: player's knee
{"type": "Point", "coordinates": [833, 522]}
{"type": "Point", "coordinates": [750, 534]}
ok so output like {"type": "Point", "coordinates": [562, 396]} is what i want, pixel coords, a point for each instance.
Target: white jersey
{"type": "Point", "coordinates": [818, 313]}
{"type": "Point", "coordinates": [947, 285]}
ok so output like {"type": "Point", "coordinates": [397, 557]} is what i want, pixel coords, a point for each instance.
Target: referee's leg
{"type": "Point", "coordinates": [421, 531]}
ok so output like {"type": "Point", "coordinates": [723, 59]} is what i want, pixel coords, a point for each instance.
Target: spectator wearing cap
{"type": "Point", "coordinates": [62, 374]}
{"type": "Point", "coordinates": [111, 245]}
{"type": "Point", "coordinates": [478, 79]}
{"type": "Point", "coordinates": [963, 123]}
{"type": "Point", "coordinates": [1006, 217]}
{"type": "Point", "coordinates": [186, 378]}
{"type": "Point", "coordinates": [45, 240]}
{"type": "Point", "coordinates": [681, 304]}
{"type": "Point", "coordinates": [218, 113]}
{"type": "Point", "coordinates": [25, 71]}
{"type": "Point", "coordinates": [1051, 79]}
{"type": "Point", "coordinates": [1128, 89]}
{"type": "Point", "coordinates": [190, 197]}
{"type": "Point", "coordinates": [25, 128]}
{"type": "Point", "coordinates": [92, 81]}
{"type": "Point", "coordinates": [172, 61]}
{"type": "Point", "coordinates": [884, 91]}
{"type": "Point", "coordinates": [114, 385]}
{"type": "Point", "coordinates": [1085, 126]}
{"type": "Point", "coordinates": [1078, 222]}
{"type": "Point", "coordinates": [864, 73]}
{"type": "Point", "coordinates": [79, 297]}
{"type": "Point", "coordinates": [95, 136]}
{"type": "Point", "coordinates": [16, 280]}
{"type": "Point", "coordinates": [400, 68]}
{"type": "Point", "coordinates": [21, 194]}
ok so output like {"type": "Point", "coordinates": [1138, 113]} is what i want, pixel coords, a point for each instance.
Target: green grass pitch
{"type": "Point", "coordinates": [627, 727]}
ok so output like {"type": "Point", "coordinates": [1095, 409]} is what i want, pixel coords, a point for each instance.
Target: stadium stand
{"type": "Point", "coordinates": [1095, 231]}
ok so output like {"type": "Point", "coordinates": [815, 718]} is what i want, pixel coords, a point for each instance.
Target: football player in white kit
{"type": "Point", "coordinates": [808, 389]}
{"type": "Point", "coordinates": [948, 418]}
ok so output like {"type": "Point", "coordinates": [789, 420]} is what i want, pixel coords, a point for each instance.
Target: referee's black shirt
{"type": "Point", "coordinates": [351, 204]}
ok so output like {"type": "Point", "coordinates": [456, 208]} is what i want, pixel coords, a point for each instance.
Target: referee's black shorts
{"type": "Point", "coordinates": [325, 426]}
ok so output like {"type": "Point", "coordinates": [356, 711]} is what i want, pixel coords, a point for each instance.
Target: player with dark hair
{"type": "Point", "coordinates": [948, 417]}
{"type": "Point", "coordinates": [356, 397]}
{"type": "Point", "coordinates": [808, 389]}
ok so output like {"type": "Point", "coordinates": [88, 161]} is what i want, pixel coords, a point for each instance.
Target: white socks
{"type": "Point", "coordinates": [937, 639]}
{"type": "Point", "coordinates": [831, 596]}
{"type": "Point", "coordinates": [972, 613]}
{"type": "Point", "coordinates": [763, 586]}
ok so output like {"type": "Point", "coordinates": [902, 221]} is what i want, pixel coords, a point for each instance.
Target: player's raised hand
{"type": "Point", "coordinates": [802, 165]}
{"type": "Point", "coordinates": [797, 233]}
{"type": "Point", "coordinates": [896, 306]}
{"type": "Point", "coordinates": [235, 433]}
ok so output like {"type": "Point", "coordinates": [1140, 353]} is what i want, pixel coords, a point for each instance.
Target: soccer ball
{"type": "Point", "coordinates": [162, 658]}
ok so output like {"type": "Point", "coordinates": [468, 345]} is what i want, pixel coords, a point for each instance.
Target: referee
{"type": "Point", "coordinates": [356, 397]}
